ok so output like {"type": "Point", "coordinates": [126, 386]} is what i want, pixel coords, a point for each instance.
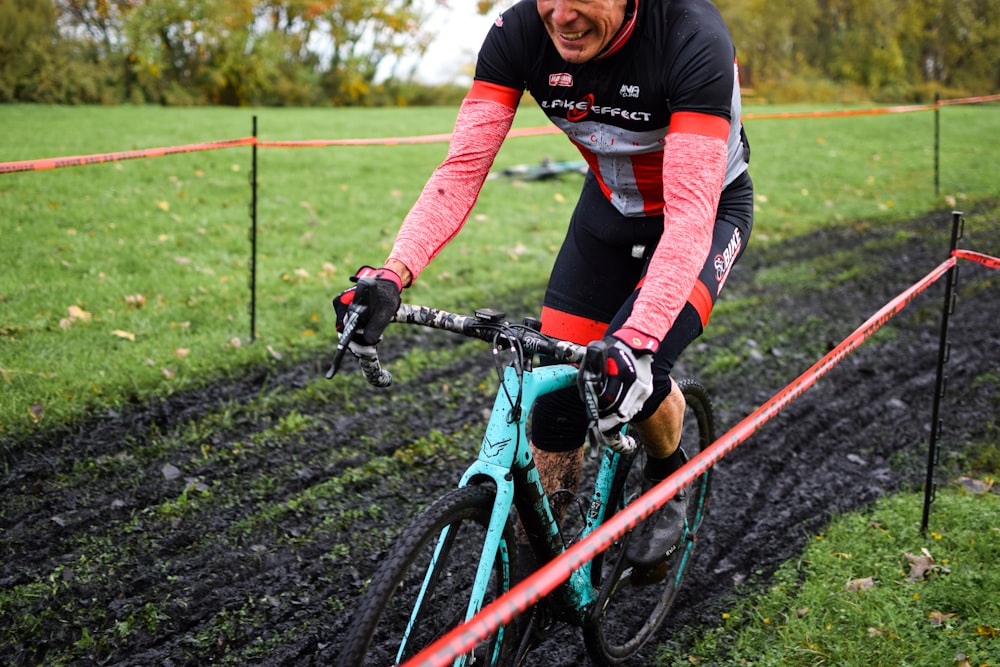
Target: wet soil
{"type": "Point", "coordinates": [210, 526]}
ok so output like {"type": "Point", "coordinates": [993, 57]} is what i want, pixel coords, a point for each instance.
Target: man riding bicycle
{"type": "Point", "coordinates": [648, 91]}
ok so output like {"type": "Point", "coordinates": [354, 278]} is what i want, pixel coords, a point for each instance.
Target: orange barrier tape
{"type": "Point", "coordinates": [971, 100]}
{"type": "Point", "coordinates": [986, 260]}
{"type": "Point", "coordinates": [398, 141]}
{"type": "Point", "coordinates": [55, 163]}
{"type": "Point", "coordinates": [387, 141]}
{"type": "Point", "coordinates": [78, 160]}
{"type": "Point", "coordinates": [501, 611]}
{"type": "Point", "coordinates": [834, 114]}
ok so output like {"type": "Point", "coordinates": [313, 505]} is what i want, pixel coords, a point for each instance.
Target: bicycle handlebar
{"type": "Point", "coordinates": [490, 326]}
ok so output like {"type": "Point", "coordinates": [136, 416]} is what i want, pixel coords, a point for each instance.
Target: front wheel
{"type": "Point", "coordinates": [632, 605]}
{"type": "Point", "coordinates": [422, 588]}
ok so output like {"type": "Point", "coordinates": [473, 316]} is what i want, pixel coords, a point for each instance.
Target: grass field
{"type": "Point", "coordinates": [126, 278]}
{"type": "Point", "coordinates": [124, 282]}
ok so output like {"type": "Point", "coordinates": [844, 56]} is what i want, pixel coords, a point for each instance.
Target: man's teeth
{"type": "Point", "coordinates": [573, 35]}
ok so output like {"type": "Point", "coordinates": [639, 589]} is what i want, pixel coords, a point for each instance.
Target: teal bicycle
{"type": "Point", "coordinates": [460, 553]}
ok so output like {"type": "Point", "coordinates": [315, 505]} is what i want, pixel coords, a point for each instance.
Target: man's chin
{"type": "Point", "coordinates": [575, 56]}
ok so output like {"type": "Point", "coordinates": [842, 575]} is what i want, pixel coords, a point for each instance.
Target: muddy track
{"type": "Point", "coordinates": [209, 525]}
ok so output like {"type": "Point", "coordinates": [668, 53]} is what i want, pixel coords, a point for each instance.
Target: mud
{"type": "Point", "coordinates": [124, 541]}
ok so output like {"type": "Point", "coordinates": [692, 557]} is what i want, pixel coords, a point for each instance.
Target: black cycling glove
{"type": "Point", "coordinates": [383, 303]}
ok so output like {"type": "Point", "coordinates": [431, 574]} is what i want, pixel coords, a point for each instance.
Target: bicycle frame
{"type": "Point", "coordinates": [505, 459]}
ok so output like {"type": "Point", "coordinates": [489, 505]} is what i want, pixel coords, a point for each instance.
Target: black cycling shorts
{"type": "Point", "coordinates": [594, 284]}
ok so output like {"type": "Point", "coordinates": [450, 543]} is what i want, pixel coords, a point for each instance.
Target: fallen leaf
{"type": "Point", "coordinates": [36, 410]}
{"type": "Point", "coordinates": [163, 205]}
{"type": "Point", "coordinates": [274, 353]}
{"type": "Point", "coordinates": [920, 565]}
{"type": "Point", "coordinates": [135, 300]}
{"type": "Point", "coordinates": [937, 618]}
{"type": "Point", "coordinates": [167, 373]}
{"type": "Point", "coordinates": [77, 313]}
{"type": "Point", "coordinates": [236, 342]}
{"type": "Point", "coordinates": [181, 352]}
{"type": "Point", "coordinates": [860, 584]}
{"type": "Point", "coordinates": [987, 631]}
{"type": "Point", "coordinates": [975, 486]}
{"type": "Point", "coordinates": [127, 335]}
{"type": "Point", "coordinates": [182, 260]}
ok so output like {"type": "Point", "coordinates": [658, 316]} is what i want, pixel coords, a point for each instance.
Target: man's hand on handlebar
{"type": "Point", "coordinates": [363, 312]}
{"type": "Point", "coordinates": [627, 381]}
{"type": "Point", "coordinates": [382, 302]}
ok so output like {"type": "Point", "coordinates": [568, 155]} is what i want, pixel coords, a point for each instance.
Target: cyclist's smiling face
{"type": "Point", "coordinates": [580, 29]}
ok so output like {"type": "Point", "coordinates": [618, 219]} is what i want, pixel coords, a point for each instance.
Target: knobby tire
{"type": "Point", "coordinates": [629, 611]}
{"type": "Point", "coordinates": [379, 622]}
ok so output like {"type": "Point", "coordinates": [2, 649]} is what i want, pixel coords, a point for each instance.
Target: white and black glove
{"type": "Point", "coordinates": [628, 384]}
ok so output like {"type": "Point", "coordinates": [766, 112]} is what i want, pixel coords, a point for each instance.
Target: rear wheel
{"type": "Point", "coordinates": [416, 597]}
{"type": "Point", "coordinates": [632, 605]}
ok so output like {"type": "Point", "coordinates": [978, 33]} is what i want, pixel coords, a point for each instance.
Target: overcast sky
{"type": "Point", "coordinates": [459, 34]}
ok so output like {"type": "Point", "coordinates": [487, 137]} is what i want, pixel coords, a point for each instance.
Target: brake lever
{"type": "Point", "coordinates": [592, 372]}
{"type": "Point", "coordinates": [358, 307]}
{"type": "Point", "coordinates": [350, 324]}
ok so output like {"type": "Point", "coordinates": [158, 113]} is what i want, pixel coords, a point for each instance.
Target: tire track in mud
{"type": "Point", "coordinates": [197, 562]}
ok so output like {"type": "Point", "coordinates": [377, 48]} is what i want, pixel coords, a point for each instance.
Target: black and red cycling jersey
{"type": "Point", "coordinates": [671, 61]}
{"type": "Point", "coordinates": [656, 115]}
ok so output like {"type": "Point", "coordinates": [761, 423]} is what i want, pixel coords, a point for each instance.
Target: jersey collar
{"type": "Point", "coordinates": [628, 27]}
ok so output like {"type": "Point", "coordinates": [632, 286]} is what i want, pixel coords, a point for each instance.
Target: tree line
{"type": "Point", "coordinates": [340, 52]}
{"type": "Point", "coordinates": [895, 50]}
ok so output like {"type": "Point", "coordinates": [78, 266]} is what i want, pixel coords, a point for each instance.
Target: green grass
{"type": "Point", "coordinates": [152, 256]}
{"type": "Point", "coordinates": [128, 279]}
{"type": "Point", "coordinates": [870, 590]}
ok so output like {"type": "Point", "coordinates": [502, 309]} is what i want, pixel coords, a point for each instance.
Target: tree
{"type": "Point", "coordinates": [27, 32]}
